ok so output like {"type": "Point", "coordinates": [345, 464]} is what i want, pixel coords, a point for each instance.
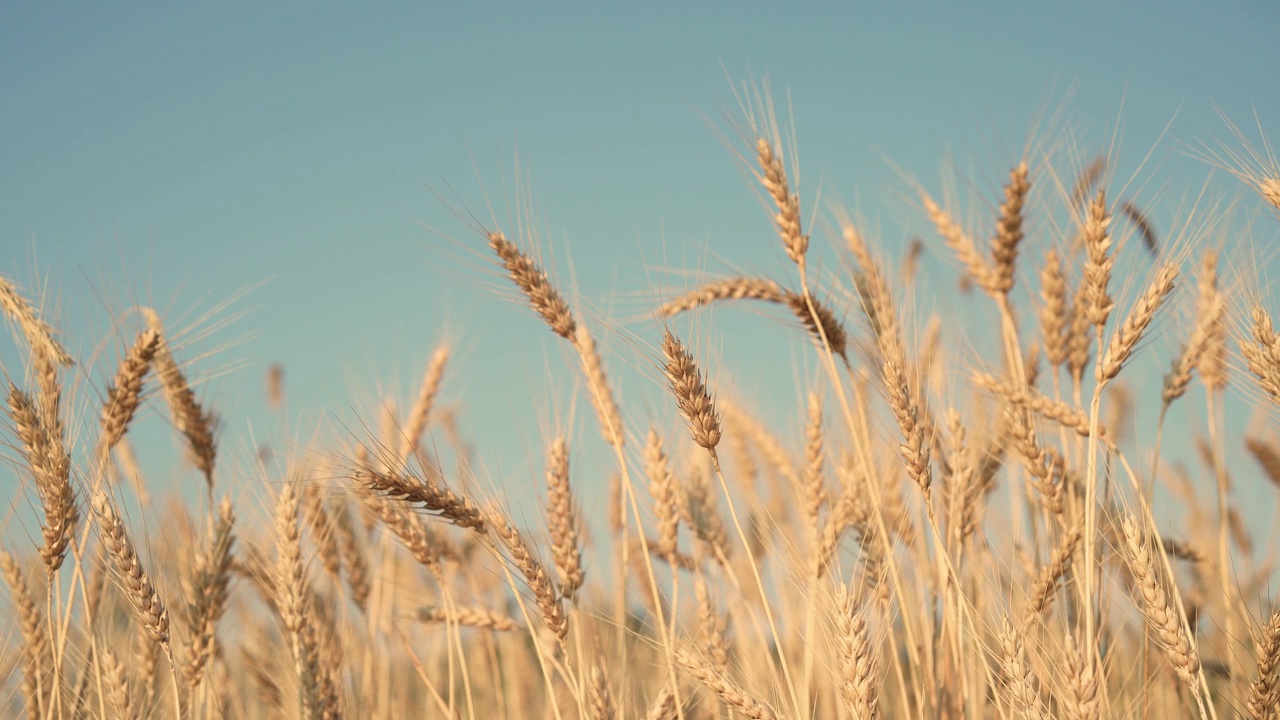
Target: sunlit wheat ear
{"type": "Point", "coordinates": [600, 694]}
{"type": "Point", "coordinates": [773, 176]}
{"type": "Point", "coordinates": [1206, 337]}
{"type": "Point", "coordinates": [1020, 681]}
{"type": "Point", "coordinates": [691, 395]}
{"type": "Point", "coordinates": [473, 617]}
{"type": "Point", "coordinates": [196, 424]}
{"type": "Point", "coordinates": [1161, 615]}
{"type": "Point", "coordinates": [915, 446]}
{"type": "Point", "coordinates": [666, 497]}
{"type": "Point", "coordinates": [47, 457]}
{"type": "Point", "coordinates": [1055, 313]}
{"type": "Point", "coordinates": [600, 392]}
{"type": "Point", "coordinates": [732, 694]}
{"type": "Point", "coordinates": [1210, 314]}
{"type": "Point", "coordinates": [533, 282]}
{"type": "Point", "coordinates": [563, 520]}
{"type": "Point", "coordinates": [425, 402]}
{"type": "Point", "coordinates": [125, 391]}
{"type": "Point", "coordinates": [1262, 353]}
{"type": "Point", "coordinates": [1045, 587]}
{"type": "Point", "coordinates": [37, 660]}
{"type": "Point", "coordinates": [663, 705]}
{"type": "Point", "coordinates": [960, 243]}
{"type": "Point", "coordinates": [1264, 692]}
{"type": "Point", "coordinates": [738, 288]}
{"type": "Point", "coordinates": [1083, 682]}
{"type": "Point", "coordinates": [453, 507]}
{"type": "Point", "coordinates": [1126, 338]}
{"type": "Point", "coordinates": [1097, 269]}
{"type": "Point", "coordinates": [1004, 247]}
{"type": "Point", "coordinates": [148, 607]}
{"type": "Point", "coordinates": [210, 593]}
{"type": "Point", "coordinates": [1267, 454]}
{"type": "Point", "coordinates": [39, 335]}
{"type": "Point", "coordinates": [293, 597]}
{"type": "Point", "coordinates": [535, 574]}
{"type": "Point", "coordinates": [814, 485]}
{"type": "Point", "coordinates": [858, 663]}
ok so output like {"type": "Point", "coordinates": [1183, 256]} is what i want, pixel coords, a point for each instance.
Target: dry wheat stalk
{"type": "Point", "coordinates": [600, 694]}
{"type": "Point", "coordinates": [1020, 681]}
{"type": "Point", "coordinates": [713, 627]}
{"type": "Point", "coordinates": [47, 457]}
{"type": "Point", "coordinates": [535, 574]}
{"type": "Point", "coordinates": [38, 334]}
{"type": "Point", "coordinates": [116, 682]}
{"type": "Point", "coordinates": [1045, 587]}
{"type": "Point", "coordinates": [601, 394]}
{"type": "Point", "coordinates": [1054, 315]}
{"type": "Point", "coordinates": [821, 322]}
{"type": "Point", "coordinates": [1210, 311]}
{"type": "Point", "coordinates": [1083, 682]}
{"type": "Point", "coordinates": [37, 670]}
{"type": "Point", "coordinates": [352, 554]}
{"type": "Point", "coordinates": [1126, 338]}
{"type": "Point", "coordinates": [1192, 354]}
{"type": "Point", "coordinates": [210, 593]}
{"type": "Point", "coordinates": [453, 507]}
{"type": "Point", "coordinates": [1264, 693]}
{"type": "Point", "coordinates": [814, 484]}
{"type": "Point", "coordinates": [1267, 456]}
{"type": "Point", "coordinates": [773, 175]}
{"type": "Point", "coordinates": [318, 696]}
{"type": "Point", "coordinates": [859, 667]}
{"type": "Point", "coordinates": [1004, 246]}
{"type": "Point", "coordinates": [695, 404]}
{"type": "Point", "coordinates": [148, 607]}
{"type": "Point", "coordinates": [426, 401]}
{"type": "Point", "coordinates": [1097, 270]}
{"type": "Point", "coordinates": [532, 281]}
{"type": "Point", "coordinates": [663, 489]}
{"type": "Point", "coordinates": [737, 288]}
{"type": "Point", "coordinates": [563, 520]}
{"type": "Point", "coordinates": [915, 446]}
{"type": "Point", "coordinates": [196, 424]}
{"type": "Point", "coordinates": [474, 617]}
{"type": "Point", "coordinates": [663, 706]}
{"type": "Point", "coordinates": [125, 392]}
{"type": "Point", "coordinates": [1159, 612]}
{"type": "Point", "coordinates": [959, 242]}
{"type": "Point", "coordinates": [733, 694]}
{"type": "Point", "coordinates": [1262, 353]}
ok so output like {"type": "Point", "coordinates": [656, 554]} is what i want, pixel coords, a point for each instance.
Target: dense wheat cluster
{"type": "Point", "coordinates": [958, 526]}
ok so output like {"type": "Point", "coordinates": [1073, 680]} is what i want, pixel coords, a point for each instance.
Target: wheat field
{"type": "Point", "coordinates": [962, 525]}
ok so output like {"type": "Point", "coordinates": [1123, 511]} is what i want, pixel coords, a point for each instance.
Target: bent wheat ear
{"type": "Point", "coordinates": [125, 392]}
{"type": "Point", "coordinates": [691, 395]}
{"type": "Point", "coordinates": [148, 607]}
{"type": "Point", "coordinates": [39, 335]}
{"type": "Point", "coordinates": [532, 281]}
{"type": "Point", "coordinates": [196, 424]}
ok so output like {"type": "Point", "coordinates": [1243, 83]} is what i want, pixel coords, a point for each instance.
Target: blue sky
{"type": "Point", "coordinates": [178, 154]}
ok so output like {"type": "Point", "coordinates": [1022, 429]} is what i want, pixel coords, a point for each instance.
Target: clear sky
{"type": "Point", "coordinates": [176, 154]}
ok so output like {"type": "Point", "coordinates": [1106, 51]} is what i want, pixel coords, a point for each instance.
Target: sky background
{"type": "Point", "coordinates": [179, 155]}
